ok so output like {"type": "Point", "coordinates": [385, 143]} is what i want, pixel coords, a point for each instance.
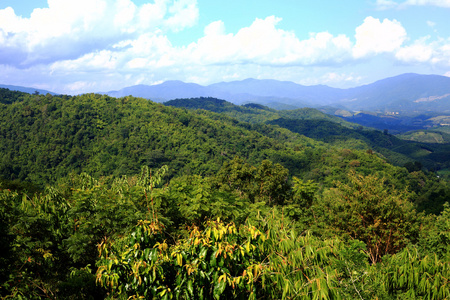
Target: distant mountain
{"type": "Point", "coordinates": [23, 89]}
{"type": "Point", "coordinates": [162, 92]}
{"type": "Point", "coordinates": [273, 93]}
{"type": "Point", "coordinates": [406, 93]}
{"type": "Point", "coordinates": [170, 90]}
{"type": "Point", "coordinates": [318, 94]}
{"type": "Point", "coordinates": [403, 92]}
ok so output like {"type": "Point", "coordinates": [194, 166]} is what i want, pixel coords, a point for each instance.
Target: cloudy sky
{"type": "Point", "coordinates": [79, 46]}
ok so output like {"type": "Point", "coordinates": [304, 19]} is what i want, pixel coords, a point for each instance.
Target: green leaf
{"type": "Point", "coordinates": [153, 255]}
{"type": "Point", "coordinates": [190, 288]}
{"type": "Point", "coordinates": [213, 260]}
{"type": "Point", "coordinates": [203, 252]}
{"type": "Point", "coordinates": [219, 287]}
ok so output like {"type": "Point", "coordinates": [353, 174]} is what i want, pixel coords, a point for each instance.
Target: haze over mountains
{"type": "Point", "coordinates": [403, 92]}
{"type": "Point", "coordinates": [29, 90]}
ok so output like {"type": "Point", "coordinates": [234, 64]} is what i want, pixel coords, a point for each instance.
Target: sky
{"type": "Point", "coordinates": [83, 46]}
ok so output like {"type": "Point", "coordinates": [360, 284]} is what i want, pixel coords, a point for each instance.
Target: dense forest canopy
{"type": "Point", "coordinates": [123, 198]}
{"type": "Point", "coordinates": [333, 130]}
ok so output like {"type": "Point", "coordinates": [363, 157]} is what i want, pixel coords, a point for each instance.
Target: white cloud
{"type": "Point", "coordinates": [184, 13]}
{"type": "Point", "coordinates": [419, 52]}
{"type": "Point", "coordinates": [439, 3]}
{"type": "Point", "coordinates": [334, 78]}
{"type": "Point", "coordinates": [375, 37]}
{"type": "Point", "coordinates": [263, 43]}
{"type": "Point", "coordinates": [436, 53]}
{"type": "Point", "coordinates": [216, 28]}
{"type": "Point", "coordinates": [386, 4]}
{"type": "Point", "coordinates": [74, 87]}
{"type": "Point", "coordinates": [108, 44]}
{"type": "Point", "coordinates": [441, 53]}
{"type": "Point", "coordinates": [102, 60]}
{"type": "Point", "coordinates": [152, 14]}
{"type": "Point", "coordinates": [431, 24]}
{"type": "Point", "coordinates": [125, 13]}
{"type": "Point", "coordinates": [389, 4]}
{"type": "Point", "coordinates": [69, 29]}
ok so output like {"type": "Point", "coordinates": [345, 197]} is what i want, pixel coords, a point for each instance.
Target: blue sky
{"type": "Point", "coordinates": [79, 46]}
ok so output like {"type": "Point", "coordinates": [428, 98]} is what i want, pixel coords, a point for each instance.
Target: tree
{"type": "Point", "coordinates": [370, 210]}
{"type": "Point", "coordinates": [266, 183]}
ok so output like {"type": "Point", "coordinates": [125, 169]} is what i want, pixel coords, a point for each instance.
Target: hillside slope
{"type": "Point", "coordinates": [51, 136]}
{"type": "Point", "coordinates": [330, 129]}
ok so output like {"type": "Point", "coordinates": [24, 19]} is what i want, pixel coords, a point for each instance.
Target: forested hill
{"type": "Point", "coordinates": [317, 125]}
{"type": "Point", "coordinates": [123, 198]}
{"type": "Point", "coordinates": [45, 137]}
{"type": "Point", "coordinates": [51, 136]}
{"type": "Point", "coordinates": [254, 113]}
{"type": "Point", "coordinates": [398, 151]}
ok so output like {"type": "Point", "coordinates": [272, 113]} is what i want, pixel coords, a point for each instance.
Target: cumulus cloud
{"type": "Point", "coordinates": [263, 43]}
{"type": "Point", "coordinates": [375, 37]}
{"type": "Point", "coordinates": [419, 52]}
{"type": "Point", "coordinates": [433, 53]}
{"type": "Point", "coordinates": [68, 29]}
{"type": "Point", "coordinates": [73, 43]}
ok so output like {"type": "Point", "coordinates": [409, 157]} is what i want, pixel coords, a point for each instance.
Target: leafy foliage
{"type": "Point", "coordinates": [369, 210]}
{"type": "Point", "coordinates": [412, 276]}
{"type": "Point", "coordinates": [220, 261]}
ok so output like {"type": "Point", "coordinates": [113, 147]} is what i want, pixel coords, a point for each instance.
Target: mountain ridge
{"type": "Point", "coordinates": [388, 94]}
{"type": "Point", "coordinates": [392, 94]}
{"type": "Point", "coordinates": [29, 90]}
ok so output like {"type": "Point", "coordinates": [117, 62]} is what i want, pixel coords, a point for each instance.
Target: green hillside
{"type": "Point", "coordinates": [254, 113]}
{"type": "Point", "coordinates": [123, 198]}
{"type": "Point", "coordinates": [427, 136]}
{"type": "Point", "coordinates": [396, 150]}
{"type": "Point", "coordinates": [330, 129]}
{"type": "Point", "coordinates": [51, 136]}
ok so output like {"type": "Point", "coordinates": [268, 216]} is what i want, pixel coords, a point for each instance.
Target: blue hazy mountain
{"type": "Point", "coordinates": [23, 89]}
{"type": "Point", "coordinates": [406, 91]}
{"type": "Point", "coordinates": [403, 92]}
{"type": "Point", "coordinates": [162, 92]}
{"type": "Point", "coordinates": [297, 93]}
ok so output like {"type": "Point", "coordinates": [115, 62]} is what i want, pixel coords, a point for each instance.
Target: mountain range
{"type": "Point", "coordinates": [406, 92]}
{"type": "Point", "coordinates": [28, 90]}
